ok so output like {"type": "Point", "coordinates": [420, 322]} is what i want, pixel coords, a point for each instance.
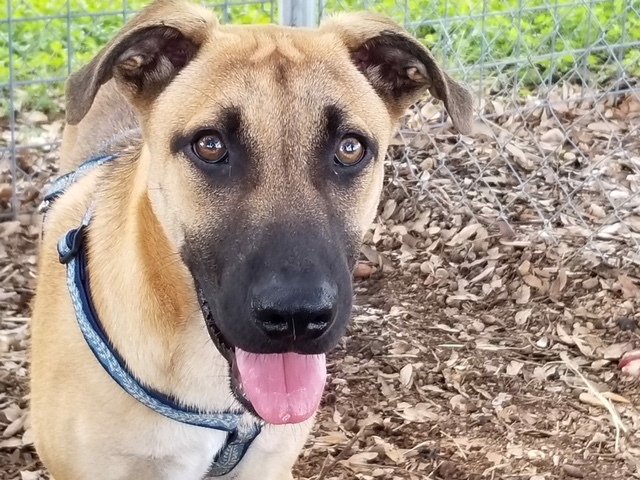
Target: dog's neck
{"type": "Point", "coordinates": [151, 312]}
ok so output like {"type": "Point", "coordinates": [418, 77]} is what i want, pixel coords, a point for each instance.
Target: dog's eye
{"type": "Point", "coordinates": [350, 151]}
{"type": "Point", "coordinates": [210, 148]}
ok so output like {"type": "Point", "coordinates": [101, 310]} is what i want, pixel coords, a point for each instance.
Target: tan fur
{"type": "Point", "coordinates": [85, 426]}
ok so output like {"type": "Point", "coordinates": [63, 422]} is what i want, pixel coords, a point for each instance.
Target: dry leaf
{"type": "Point", "coordinates": [11, 443]}
{"type": "Point", "coordinates": [615, 351]}
{"type": "Point", "coordinates": [514, 368]}
{"type": "Point", "coordinates": [334, 438]}
{"type": "Point", "coordinates": [522, 316]}
{"type": "Point", "coordinates": [629, 288]}
{"type": "Point", "coordinates": [555, 136]}
{"type": "Point", "coordinates": [484, 274]}
{"type": "Point", "coordinates": [583, 346]}
{"type": "Point", "coordinates": [520, 157]}
{"type": "Point", "coordinates": [26, 475]}
{"type": "Point", "coordinates": [614, 397]}
{"type": "Point", "coordinates": [372, 255]}
{"type": "Point", "coordinates": [558, 286]}
{"type": "Point", "coordinates": [419, 413]}
{"type": "Point", "coordinates": [523, 295]}
{"type": "Point", "coordinates": [604, 127]}
{"type": "Point", "coordinates": [406, 375]}
{"type": "Point", "coordinates": [590, 283]}
{"type": "Point", "coordinates": [362, 458]}
{"type": "Point", "coordinates": [495, 458]}
{"type": "Point", "coordinates": [14, 427]}
{"type": "Point", "coordinates": [458, 403]}
{"type": "Point", "coordinates": [524, 267]}
{"type": "Point", "coordinates": [572, 471]}
{"type": "Point", "coordinates": [543, 342]}
{"type": "Point", "coordinates": [389, 209]}
{"type": "Point", "coordinates": [453, 358]}
{"type": "Point", "coordinates": [385, 388]}
{"type": "Point", "coordinates": [12, 413]}
{"type": "Point", "coordinates": [515, 451]}
{"type": "Point", "coordinates": [563, 336]}
{"type": "Point", "coordinates": [533, 281]}
{"type": "Point", "coordinates": [589, 399]}
{"type": "Point", "coordinates": [27, 437]}
{"type": "Point", "coordinates": [465, 234]}
{"type": "Point", "coordinates": [506, 231]}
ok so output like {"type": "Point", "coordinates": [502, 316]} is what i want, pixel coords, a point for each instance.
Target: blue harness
{"type": "Point", "coordinates": [73, 254]}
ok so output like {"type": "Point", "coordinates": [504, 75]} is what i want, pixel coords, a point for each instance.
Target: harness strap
{"type": "Point", "coordinates": [60, 185]}
{"type": "Point", "coordinates": [72, 253]}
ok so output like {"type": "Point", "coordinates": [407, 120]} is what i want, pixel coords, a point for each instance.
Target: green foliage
{"type": "Point", "coordinates": [536, 40]}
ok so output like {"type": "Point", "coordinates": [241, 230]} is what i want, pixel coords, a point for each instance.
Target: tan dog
{"type": "Point", "coordinates": [221, 238]}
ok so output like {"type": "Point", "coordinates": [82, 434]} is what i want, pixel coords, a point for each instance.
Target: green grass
{"type": "Point", "coordinates": [464, 32]}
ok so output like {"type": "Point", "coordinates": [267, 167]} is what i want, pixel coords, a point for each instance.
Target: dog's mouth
{"type": "Point", "coordinates": [227, 351]}
{"type": "Point", "coordinates": [283, 388]}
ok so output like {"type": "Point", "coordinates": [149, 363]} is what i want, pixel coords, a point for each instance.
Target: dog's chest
{"type": "Point", "coordinates": [175, 454]}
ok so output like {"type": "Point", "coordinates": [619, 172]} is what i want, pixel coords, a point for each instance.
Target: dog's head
{"type": "Point", "coordinates": [266, 149]}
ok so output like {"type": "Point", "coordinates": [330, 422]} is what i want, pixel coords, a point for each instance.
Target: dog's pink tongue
{"type": "Point", "coordinates": [283, 388]}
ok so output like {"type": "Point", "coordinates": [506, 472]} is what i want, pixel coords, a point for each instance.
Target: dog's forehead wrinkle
{"type": "Point", "coordinates": [275, 48]}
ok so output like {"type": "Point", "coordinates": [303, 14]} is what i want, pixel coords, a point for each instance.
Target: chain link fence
{"type": "Point", "coordinates": [556, 152]}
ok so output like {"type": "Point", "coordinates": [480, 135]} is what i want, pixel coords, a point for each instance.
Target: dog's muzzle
{"type": "Point", "coordinates": [226, 350]}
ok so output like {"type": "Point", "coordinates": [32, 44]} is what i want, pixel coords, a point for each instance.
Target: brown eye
{"type": "Point", "coordinates": [210, 148]}
{"type": "Point", "coordinates": [350, 151]}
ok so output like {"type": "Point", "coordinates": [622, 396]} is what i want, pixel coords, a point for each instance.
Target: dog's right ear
{"type": "Point", "coordinates": [144, 56]}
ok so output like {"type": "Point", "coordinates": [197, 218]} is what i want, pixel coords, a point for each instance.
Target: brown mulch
{"type": "Point", "coordinates": [499, 290]}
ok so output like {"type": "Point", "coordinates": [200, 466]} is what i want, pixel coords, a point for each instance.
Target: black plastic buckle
{"type": "Point", "coordinates": [73, 240]}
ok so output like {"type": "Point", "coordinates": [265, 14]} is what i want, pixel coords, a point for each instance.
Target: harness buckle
{"type": "Point", "coordinates": [72, 242]}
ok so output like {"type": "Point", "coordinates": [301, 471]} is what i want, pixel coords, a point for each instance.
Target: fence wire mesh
{"type": "Point", "coordinates": [556, 152]}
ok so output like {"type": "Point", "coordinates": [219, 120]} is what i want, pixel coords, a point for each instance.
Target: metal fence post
{"type": "Point", "coordinates": [12, 116]}
{"type": "Point", "coordinates": [298, 13]}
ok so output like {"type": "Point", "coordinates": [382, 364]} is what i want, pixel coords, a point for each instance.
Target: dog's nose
{"type": "Point", "coordinates": [295, 307]}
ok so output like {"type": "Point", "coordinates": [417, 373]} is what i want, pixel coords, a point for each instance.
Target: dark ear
{"type": "Point", "coordinates": [399, 67]}
{"type": "Point", "coordinates": [143, 57]}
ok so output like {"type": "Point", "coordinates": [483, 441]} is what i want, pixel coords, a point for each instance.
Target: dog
{"type": "Point", "coordinates": [197, 251]}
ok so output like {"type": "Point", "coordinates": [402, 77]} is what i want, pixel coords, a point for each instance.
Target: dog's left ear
{"type": "Point", "coordinates": [143, 57]}
{"type": "Point", "coordinates": [399, 67]}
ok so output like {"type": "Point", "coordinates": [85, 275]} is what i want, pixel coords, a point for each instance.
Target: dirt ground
{"type": "Point", "coordinates": [479, 349]}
